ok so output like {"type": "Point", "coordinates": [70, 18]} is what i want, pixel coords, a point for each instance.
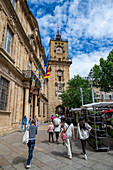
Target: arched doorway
{"type": "Point", "coordinates": [60, 110]}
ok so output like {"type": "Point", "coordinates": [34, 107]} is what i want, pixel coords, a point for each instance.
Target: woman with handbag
{"type": "Point", "coordinates": [83, 130]}
{"type": "Point", "coordinates": [31, 142]}
{"type": "Point", "coordinates": [69, 128]}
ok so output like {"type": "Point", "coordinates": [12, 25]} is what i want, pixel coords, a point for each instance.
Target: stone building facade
{"type": "Point", "coordinates": [21, 52]}
{"type": "Point", "coordinates": [101, 96]}
{"type": "Point", "coordinates": [59, 75]}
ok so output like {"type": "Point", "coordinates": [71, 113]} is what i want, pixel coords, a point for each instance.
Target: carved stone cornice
{"type": "Point", "coordinates": [62, 63]}
{"type": "Point", "coordinates": [1, 8]}
{"type": "Point", "coordinates": [26, 84]}
{"type": "Point", "coordinates": [11, 21]}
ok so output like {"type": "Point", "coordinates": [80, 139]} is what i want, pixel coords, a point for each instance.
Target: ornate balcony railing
{"type": "Point", "coordinates": [28, 74]}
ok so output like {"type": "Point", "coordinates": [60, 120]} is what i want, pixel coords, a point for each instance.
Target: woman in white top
{"type": "Point", "coordinates": [83, 130]}
{"type": "Point", "coordinates": [69, 127]}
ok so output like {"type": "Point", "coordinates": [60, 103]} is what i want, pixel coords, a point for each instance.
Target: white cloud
{"type": "Point", "coordinates": [98, 21]}
{"type": "Point", "coordinates": [82, 19]}
{"type": "Point", "coordinates": [44, 1]}
{"type": "Point", "coordinates": [84, 62]}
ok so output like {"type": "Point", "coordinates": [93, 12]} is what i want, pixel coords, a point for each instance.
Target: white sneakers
{"type": "Point", "coordinates": [28, 166]}
{"type": "Point", "coordinates": [85, 156]}
{"type": "Point", "coordinates": [70, 157]}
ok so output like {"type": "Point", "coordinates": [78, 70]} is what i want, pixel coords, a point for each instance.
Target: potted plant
{"type": "Point", "coordinates": [97, 127]}
{"type": "Point", "coordinates": [99, 142]}
{"type": "Point", "coordinates": [111, 120]}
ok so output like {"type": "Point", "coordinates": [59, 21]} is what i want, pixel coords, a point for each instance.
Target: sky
{"type": "Point", "coordinates": [87, 24]}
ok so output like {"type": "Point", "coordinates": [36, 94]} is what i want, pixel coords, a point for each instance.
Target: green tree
{"type": "Point", "coordinates": [103, 73]}
{"type": "Point", "coordinates": [72, 96]}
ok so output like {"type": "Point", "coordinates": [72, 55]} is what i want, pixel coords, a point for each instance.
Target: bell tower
{"type": "Point", "coordinates": [59, 75]}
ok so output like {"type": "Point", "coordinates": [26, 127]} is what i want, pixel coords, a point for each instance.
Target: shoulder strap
{"type": "Point", "coordinates": [68, 127]}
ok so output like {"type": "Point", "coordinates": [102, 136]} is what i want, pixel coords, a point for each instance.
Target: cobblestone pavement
{"type": "Point", "coordinates": [13, 154]}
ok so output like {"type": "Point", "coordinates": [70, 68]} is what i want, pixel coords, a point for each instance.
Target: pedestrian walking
{"type": "Point", "coordinates": [30, 120]}
{"type": "Point", "coordinates": [70, 135]}
{"type": "Point", "coordinates": [63, 134]}
{"type": "Point", "coordinates": [83, 130]}
{"type": "Point", "coordinates": [37, 123]}
{"type": "Point", "coordinates": [51, 131]}
{"type": "Point", "coordinates": [31, 143]}
{"type": "Point", "coordinates": [57, 127]}
{"type": "Point", "coordinates": [52, 118]}
{"type": "Point", "coordinates": [24, 123]}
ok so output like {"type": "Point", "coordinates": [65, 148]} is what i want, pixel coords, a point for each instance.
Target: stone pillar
{"type": "Point", "coordinates": [27, 105]}
{"type": "Point", "coordinates": [36, 107]}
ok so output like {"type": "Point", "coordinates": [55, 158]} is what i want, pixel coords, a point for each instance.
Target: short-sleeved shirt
{"type": "Point", "coordinates": [57, 128]}
{"type": "Point", "coordinates": [69, 128]}
{"type": "Point", "coordinates": [50, 128]}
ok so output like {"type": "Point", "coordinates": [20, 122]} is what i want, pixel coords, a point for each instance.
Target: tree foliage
{"type": "Point", "coordinates": [72, 96]}
{"type": "Point", "coordinates": [103, 73]}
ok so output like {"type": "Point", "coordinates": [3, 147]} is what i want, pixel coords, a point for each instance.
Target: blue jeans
{"type": "Point", "coordinates": [23, 127]}
{"type": "Point", "coordinates": [57, 135]}
{"type": "Point", "coordinates": [31, 145]}
{"type": "Point", "coordinates": [83, 142]}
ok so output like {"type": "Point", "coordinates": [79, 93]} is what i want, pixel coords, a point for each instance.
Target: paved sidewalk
{"type": "Point", "coordinates": [13, 155]}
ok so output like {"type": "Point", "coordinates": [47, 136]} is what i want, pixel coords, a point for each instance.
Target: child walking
{"type": "Point", "coordinates": [63, 134]}
{"type": "Point", "coordinates": [51, 131]}
{"type": "Point", "coordinates": [83, 130]}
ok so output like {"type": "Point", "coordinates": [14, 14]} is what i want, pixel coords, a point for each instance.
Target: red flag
{"type": "Point", "coordinates": [47, 75]}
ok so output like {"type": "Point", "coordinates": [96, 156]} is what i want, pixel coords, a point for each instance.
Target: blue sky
{"type": "Point", "coordinates": [88, 25]}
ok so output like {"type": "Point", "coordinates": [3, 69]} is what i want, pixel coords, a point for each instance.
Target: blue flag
{"type": "Point", "coordinates": [46, 63]}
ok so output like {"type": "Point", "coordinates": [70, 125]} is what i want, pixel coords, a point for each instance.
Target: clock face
{"type": "Point", "coordinates": [59, 73]}
{"type": "Point", "coordinates": [59, 50]}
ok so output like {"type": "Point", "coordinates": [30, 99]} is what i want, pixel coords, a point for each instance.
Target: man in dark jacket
{"type": "Point", "coordinates": [31, 143]}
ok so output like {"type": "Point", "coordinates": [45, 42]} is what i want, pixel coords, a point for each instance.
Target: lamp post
{"type": "Point", "coordinates": [81, 95]}
{"type": "Point", "coordinates": [90, 79]}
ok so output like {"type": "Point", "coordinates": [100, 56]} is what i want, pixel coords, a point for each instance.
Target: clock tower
{"type": "Point", "coordinates": [59, 75]}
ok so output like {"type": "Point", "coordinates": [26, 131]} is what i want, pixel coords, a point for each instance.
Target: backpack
{"type": "Point", "coordinates": [56, 122]}
{"type": "Point", "coordinates": [63, 136]}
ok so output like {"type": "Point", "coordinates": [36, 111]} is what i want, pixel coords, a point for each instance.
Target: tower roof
{"type": "Point", "coordinates": [58, 36]}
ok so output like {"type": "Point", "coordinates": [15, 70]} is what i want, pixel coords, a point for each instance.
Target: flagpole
{"type": "Point", "coordinates": [43, 82]}
{"type": "Point", "coordinates": [39, 72]}
{"type": "Point", "coordinates": [38, 66]}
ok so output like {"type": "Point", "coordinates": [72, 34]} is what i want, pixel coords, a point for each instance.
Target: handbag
{"type": "Point", "coordinates": [25, 138]}
{"type": "Point", "coordinates": [63, 134]}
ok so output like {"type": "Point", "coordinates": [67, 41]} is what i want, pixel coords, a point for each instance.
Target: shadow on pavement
{"type": "Point", "coordinates": [58, 153]}
{"type": "Point", "coordinates": [44, 141]}
{"type": "Point", "coordinates": [18, 160]}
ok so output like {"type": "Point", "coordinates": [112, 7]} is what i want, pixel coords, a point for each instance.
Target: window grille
{"type": "Point", "coordinates": [44, 109]}
{"type": "Point", "coordinates": [98, 95]}
{"type": "Point", "coordinates": [3, 93]}
{"type": "Point", "coordinates": [106, 96]}
{"type": "Point", "coordinates": [13, 3]}
{"type": "Point", "coordinates": [8, 41]}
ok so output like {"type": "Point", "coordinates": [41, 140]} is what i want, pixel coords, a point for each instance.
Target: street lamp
{"type": "Point", "coordinates": [81, 95]}
{"type": "Point", "coordinates": [90, 79]}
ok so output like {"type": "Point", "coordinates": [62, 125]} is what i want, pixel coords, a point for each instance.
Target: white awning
{"type": "Point", "coordinates": [97, 105]}
{"type": "Point", "coordinates": [75, 109]}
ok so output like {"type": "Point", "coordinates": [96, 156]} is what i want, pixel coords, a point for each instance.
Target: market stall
{"type": "Point", "coordinates": [99, 137]}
